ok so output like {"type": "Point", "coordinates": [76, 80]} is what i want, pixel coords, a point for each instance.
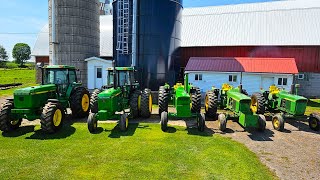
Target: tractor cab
{"type": "Point", "coordinates": [60, 75]}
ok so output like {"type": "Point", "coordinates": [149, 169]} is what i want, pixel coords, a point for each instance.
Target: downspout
{"type": "Point", "coordinates": [134, 34]}
{"type": "Point", "coordinates": [53, 23]}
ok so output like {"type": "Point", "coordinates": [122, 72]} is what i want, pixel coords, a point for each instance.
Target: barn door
{"type": "Point", "coordinates": [98, 79]}
{"type": "Point", "coordinates": [267, 82]}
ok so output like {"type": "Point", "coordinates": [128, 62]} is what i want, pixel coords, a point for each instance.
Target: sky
{"type": "Point", "coordinates": [22, 20]}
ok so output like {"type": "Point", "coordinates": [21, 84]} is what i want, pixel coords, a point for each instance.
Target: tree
{"type": "Point", "coordinates": [3, 56]}
{"type": "Point", "coordinates": [21, 52]}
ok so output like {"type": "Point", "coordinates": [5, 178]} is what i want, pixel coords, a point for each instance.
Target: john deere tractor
{"type": "Point", "coordinates": [186, 99]}
{"type": "Point", "coordinates": [283, 104]}
{"type": "Point", "coordinates": [236, 101]}
{"type": "Point", "coordinates": [120, 99]}
{"type": "Point", "coordinates": [48, 102]}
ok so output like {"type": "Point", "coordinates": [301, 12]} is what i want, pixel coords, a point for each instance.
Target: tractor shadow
{"type": "Point", "coordinates": [19, 132]}
{"type": "Point", "coordinates": [313, 103]}
{"type": "Point", "coordinates": [301, 125]}
{"type": "Point", "coordinates": [66, 131]}
{"type": "Point", "coordinates": [117, 133]}
{"type": "Point", "coordinates": [193, 130]}
{"type": "Point", "coordinates": [256, 135]}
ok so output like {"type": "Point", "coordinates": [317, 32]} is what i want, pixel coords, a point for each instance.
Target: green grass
{"type": "Point", "coordinates": [24, 76]}
{"type": "Point", "coordinates": [313, 106]}
{"type": "Point", "coordinates": [144, 152]}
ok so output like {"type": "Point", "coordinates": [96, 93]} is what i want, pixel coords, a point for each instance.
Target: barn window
{"type": "Point", "coordinates": [233, 78]}
{"type": "Point", "coordinates": [301, 76]}
{"type": "Point", "coordinates": [198, 77]}
{"type": "Point", "coordinates": [283, 81]}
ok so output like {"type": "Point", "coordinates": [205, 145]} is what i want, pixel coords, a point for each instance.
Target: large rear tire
{"type": "Point", "coordinates": [314, 122]}
{"type": "Point", "coordinates": [278, 122]}
{"type": "Point", "coordinates": [80, 102]}
{"type": "Point", "coordinates": [196, 100]}
{"type": "Point", "coordinates": [163, 100]}
{"type": "Point", "coordinates": [134, 103]}
{"type": "Point", "coordinates": [92, 123]}
{"type": "Point", "coordinates": [6, 122]}
{"type": "Point", "coordinates": [164, 121]}
{"type": "Point", "coordinates": [257, 103]}
{"type": "Point", "coordinates": [222, 122]}
{"type": "Point", "coordinates": [146, 103]}
{"type": "Point", "coordinates": [211, 104]}
{"type": "Point", "coordinates": [94, 101]}
{"type": "Point", "coordinates": [52, 117]}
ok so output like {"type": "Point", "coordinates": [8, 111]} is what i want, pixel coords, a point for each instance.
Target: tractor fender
{"type": "Point", "coordinates": [53, 100]}
{"type": "Point", "coordinates": [72, 89]}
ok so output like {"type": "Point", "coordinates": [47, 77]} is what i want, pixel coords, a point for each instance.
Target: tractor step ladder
{"type": "Point", "coordinates": [123, 26]}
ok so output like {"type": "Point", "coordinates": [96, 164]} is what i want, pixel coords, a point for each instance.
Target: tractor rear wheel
{"type": "Point", "coordinates": [92, 123]}
{"type": "Point", "coordinates": [211, 104]}
{"type": "Point", "coordinates": [278, 122]}
{"type": "Point", "coordinates": [164, 121]}
{"type": "Point", "coordinates": [6, 122]}
{"type": "Point", "coordinates": [146, 103]}
{"type": "Point", "coordinates": [94, 101]}
{"type": "Point", "coordinates": [80, 102]}
{"type": "Point", "coordinates": [163, 100]}
{"type": "Point", "coordinates": [257, 103]}
{"type": "Point", "coordinates": [135, 103]}
{"type": "Point", "coordinates": [222, 122]}
{"type": "Point", "coordinates": [196, 100]}
{"type": "Point", "coordinates": [124, 122]}
{"type": "Point", "coordinates": [52, 117]}
{"type": "Point", "coordinates": [314, 122]}
{"type": "Point", "coordinates": [201, 123]}
{"type": "Point", "coordinates": [262, 123]}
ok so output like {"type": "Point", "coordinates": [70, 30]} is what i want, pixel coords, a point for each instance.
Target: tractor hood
{"type": "Point", "coordinates": [36, 90]}
{"type": "Point", "coordinates": [109, 93]}
{"type": "Point", "coordinates": [291, 97]}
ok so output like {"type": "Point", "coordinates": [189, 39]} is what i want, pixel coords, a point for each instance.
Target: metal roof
{"type": "Point", "coordinates": [239, 64]}
{"type": "Point", "coordinates": [277, 23]}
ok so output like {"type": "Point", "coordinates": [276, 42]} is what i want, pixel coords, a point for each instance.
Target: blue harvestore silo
{"type": "Point", "coordinates": [147, 35]}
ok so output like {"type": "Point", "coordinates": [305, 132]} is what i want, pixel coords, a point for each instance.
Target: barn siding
{"type": "Point", "coordinates": [310, 86]}
{"type": "Point", "coordinates": [307, 57]}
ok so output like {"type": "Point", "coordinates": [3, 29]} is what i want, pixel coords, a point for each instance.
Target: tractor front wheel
{"type": "Point", "coordinates": [314, 122]}
{"type": "Point", "coordinates": [278, 122]}
{"type": "Point", "coordinates": [164, 121]}
{"type": "Point", "coordinates": [80, 102]}
{"type": "Point", "coordinates": [124, 122]}
{"type": "Point", "coordinates": [146, 103]}
{"type": "Point", "coordinates": [52, 117]}
{"type": "Point", "coordinates": [6, 122]}
{"type": "Point", "coordinates": [135, 100]}
{"type": "Point", "coordinates": [211, 104]}
{"type": "Point", "coordinates": [201, 123]}
{"type": "Point", "coordinates": [262, 123]}
{"type": "Point", "coordinates": [92, 123]}
{"type": "Point", "coordinates": [94, 101]}
{"type": "Point", "coordinates": [222, 122]}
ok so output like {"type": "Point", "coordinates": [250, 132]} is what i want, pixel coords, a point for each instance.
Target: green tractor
{"type": "Point", "coordinates": [186, 99]}
{"type": "Point", "coordinates": [283, 104]}
{"type": "Point", "coordinates": [120, 99]}
{"type": "Point", "coordinates": [235, 100]}
{"type": "Point", "coordinates": [48, 102]}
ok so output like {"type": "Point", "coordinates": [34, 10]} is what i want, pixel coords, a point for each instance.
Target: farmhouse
{"type": "Point", "coordinates": [253, 73]}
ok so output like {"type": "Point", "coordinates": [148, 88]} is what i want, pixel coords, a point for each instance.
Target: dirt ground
{"type": "Point", "coordinates": [292, 154]}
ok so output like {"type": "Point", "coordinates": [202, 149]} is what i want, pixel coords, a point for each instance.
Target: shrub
{"type": "Point", "coordinates": [11, 65]}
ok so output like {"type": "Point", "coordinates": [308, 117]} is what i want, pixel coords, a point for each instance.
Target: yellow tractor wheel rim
{"type": "Point", "coordinates": [139, 102]}
{"type": "Point", "coordinates": [57, 117]}
{"type": "Point", "coordinates": [127, 122]}
{"type": "Point", "coordinates": [85, 102]}
{"type": "Point", "coordinates": [150, 103]}
{"type": "Point", "coordinates": [276, 122]}
{"type": "Point", "coordinates": [254, 105]}
{"type": "Point", "coordinates": [15, 122]}
{"type": "Point", "coordinates": [314, 123]}
{"type": "Point", "coordinates": [207, 103]}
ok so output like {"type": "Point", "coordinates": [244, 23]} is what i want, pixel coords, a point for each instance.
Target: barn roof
{"type": "Point", "coordinates": [277, 23]}
{"type": "Point", "coordinates": [239, 64]}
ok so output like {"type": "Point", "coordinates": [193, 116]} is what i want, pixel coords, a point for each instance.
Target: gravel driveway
{"type": "Point", "coordinates": [292, 154]}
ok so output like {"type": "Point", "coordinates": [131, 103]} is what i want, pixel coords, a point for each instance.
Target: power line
{"type": "Point", "coordinates": [22, 33]}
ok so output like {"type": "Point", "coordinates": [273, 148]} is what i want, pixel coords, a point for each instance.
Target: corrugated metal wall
{"type": "Point", "coordinates": [307, 57]}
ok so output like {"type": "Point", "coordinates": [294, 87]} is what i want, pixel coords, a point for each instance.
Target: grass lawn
{"type": "Point", "coordinates": [26, 77]}
{"type": "Point", "coordinates": [313, 106]}
{"type": "Point", "coordinates": [144, 152]}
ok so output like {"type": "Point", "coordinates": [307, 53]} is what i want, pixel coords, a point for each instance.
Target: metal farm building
{"type": "Point", "coordinates": [280, 29]}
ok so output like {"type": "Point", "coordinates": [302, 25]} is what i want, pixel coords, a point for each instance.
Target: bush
{"type": "Point", "coordinates": [11, 65]}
